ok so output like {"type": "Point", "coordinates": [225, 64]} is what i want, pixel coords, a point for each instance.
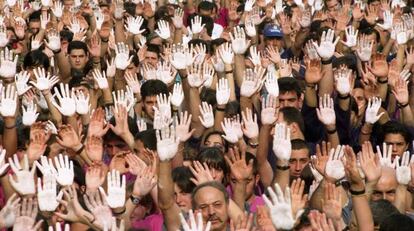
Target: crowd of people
{"type": "Point", "coordinates": [206, 115]}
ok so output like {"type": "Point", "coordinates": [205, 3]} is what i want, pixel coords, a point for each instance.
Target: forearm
{"type": "Point", "coordinates": [282, 176]}
{"type": "Point", "coordinates": [344, 102]}
{"type": "Point", "coordinates": [407, 115]}
{"type": "Point", "coordinates": [229, 76]}
{"type": "Point", "coordinates": [245, 103]}
{"type": "Point", "coordinates": [299, 41]}
{"type": "Point", "coordinates": [326, 85]}
{"type": "Point", "coordinates": [265, 170]}
{"type": "Point", "coordinates": [195, 101]}
{"type": "Point", "coordinates": [119, 31]}
{"type": "Point", "coordinates": [64, 66]}
{"type": "Point", "coordinates": [400, 198]}
{"type": "Point", "coordinates": [382, 87]}
{"type": "Point", "coordinates": [365, 133]}
{"type": "Point", "coordinates": [178, 36]}
{"type": "Point", "coordinates": [311, 99]}
{"type": "Point", "coordinates": [239, 193]}
{"type": "Point", "coordinates": [219, 117]}
{"type": "Point", "coordinates": [332, 133]}
{"type": "Point", "coordinates": [10, 136]}
{"type": "Point", "coordinates": [239, 68]}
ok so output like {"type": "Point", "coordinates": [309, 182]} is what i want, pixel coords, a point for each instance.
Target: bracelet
{"type": "Point", "coordinates": [220, 109]}
{"type": "Point", "coordinates": [331, 131]}
{"type": "Point", "coordinates": [347, 96]}
{"type": "Point", "coordinates": [382, 81]}
{"type": "Point", "coordinates": [80, 150]}
{"type": "Point", "coordinates": [11, 127]}
{"type": "Point", "coordinates": [310, 85]}
{"type": "Point", "coordinates": [57, 52]}
{"type": "Point", "coordinates": [402, 105]}
{"type": "Point", "coordinates": [283, 168]}
{"type": "Point", "coordinates": [104, 40]}
{"type": "Point", "coordinates": [356, 193]}
{"type": "Point", "coordinates": [327, 62]}
{"type": "Point", "coordinates": [229, 72]}
{"type": "Point", "coordinates": [253, 145]}
{"type": "Point", "coordinates": [119, 213]}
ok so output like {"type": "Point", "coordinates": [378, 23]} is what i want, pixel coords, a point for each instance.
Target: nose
{"type": "Point", "coordinates": [211, 210]}
{"type": "Point", "coordinates": [394, 147]}
{"type": "Point", "coordinates": [297, 166]}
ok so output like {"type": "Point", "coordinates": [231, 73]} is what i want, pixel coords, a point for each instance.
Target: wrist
{"type": "Point", "coordinates": [77, 148]}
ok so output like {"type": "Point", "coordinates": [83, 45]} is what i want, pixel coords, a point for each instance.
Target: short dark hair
{"type": "Point", "coordinates": [77, 45]}
{"type": "Point", "coordinates": [153, 87]}
{"type": "Point", "coordinates": [214, 158]}
{"type": "Point", "coordinates": [154, 48]}
{"type": "Point", "coordinates": [298, 144]}
{"type": "Point", "coordinates": [213, 184]}
{"type": "Point", "coordinates": [287, 84]}
{"type": "Point", "coordinates": [382, 209]}
{"type": "Point", "coordinates": [181, 176]}
{"type": "Point", "coordinates": [36, 58]}
{"type": "Point", "coordinates": [35, 16]}
{"type": "Point", "coordinates": [206, 5]}
{"type": "Point", "coordinates": [394, 127]}
{"type": "Point", "coordinates": [66, 35]}
{"type": "Point", "coordinates": [293, 115]}
{"type": "Point", "coordinates": [396, 222]}
{"type": "Point", "coordinates": [148, 138]}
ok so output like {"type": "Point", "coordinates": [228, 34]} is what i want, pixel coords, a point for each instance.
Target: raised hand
{"type": "Point", "coordinates": [4, 40]}
{"type": "Point", "coordinates": [255, 56]}
{"type": "Point", "coordinates": [58, 9]}
{"type": "Point", "coordinates": [252, 81]}
{"type": "Point", "coordinates": [195, 77]}
{"type": "Point", "coordinates": [133, 83]}
{"type": "Point", "coordinates": [343, 82]}
{"type": "Point", "coordinates": [207, 116]}
{"type": "Point", "coordinates": [238, 41]}
{"type": "Point", "coordinates": [66, 99]}
{"type": "Point", "coordinates": [281, 142]}
{"type": "Point", "coordinates": [99, 19]}
{"type": "Point", "coordinates": [388, 20]}
{"type": "Point", "coordinates": [271, 84]}
{"type": "Point", "coordinates": [68, 138]}
{"type": "Point", "coordinates": [385, 157]}
{"type": "Point", "coordinates": [201, 173]}
{"type": "Point", "coordinates": [370, 163]}
{"type": "Point", "coordinates": [183, 126]}
{"type": "Point", "coordinates": [46, 166]}
{"type": "Point", "coordinates": [167, 143]}
{"type": "Point", "coordinates": [134, 25]}
{"type": "Point", "coordinates": [163, 29]}
{"type": "Point", "coordinates": [334, 166]}
{"type": "Point", "coordinates": [268, 113]}
{"type": "Point", "coordinates": [100, 79]}
{"type": "Point", "coordinates": [122, 58]}
{"type": "Point", "coordinates": [222, 91]}
{"type": "Point", "coordinates": [97, 124]}
{"type": "Point", "coordinates": [30, 114]}
{"type": "Point", "coordinates": [331, 203]}
{"type": "Point", "coordinates": [320, 222]}
{"type": "Point", "coordinates": [178, 18]}
{"type": "Point", "coordinates": [250, 28]}
{"type": "Point", "coordinates": [298, 198]}
{"type": "Point", "coordinates": [8, 63]}
{"type": "Point", "coordinates": [194, 225]}
{"type": "Point", "coordinates": [240, 170]}
{"type": "Point", "coordinates": [208, 75]}
{"type": "Point", "coordinates": [46, 195]}
{"type": "Point", "coordinates": [226, 53]}
{"type": "Point", "coordinates": [248, 6]}
{"type": "Point", "coordinates": [23, 179]}
{"type": "Point", "coordinates": [364, 49]}
{"type": "Point", "coordinates": [27, 216]}
{"type": "Point", "coordinates": [196, 26]}
{"type": "Point", "coordinates": [371, 112]}
{"type": "Point", "coordinates": [54, 41]}
{"type": "Point", "coordinates": [229, 130]}
{"type": "Point", "coordinates": [145, 181]}
{"type": "Point", "coordinates": [326, 48]}
{"type": "Point", "coordinates": [403, 170]}
{"type": "Point", "coordinates": [181, 57]}
{"type": "Point", "coordinates": [124, 99]}
{"type": "Point", "coordinates": [99, 208]}
{"type": "Point", "coordinates": [21, 80]}
{"type": "Point", "coordinates": [401, 92]}
{"type": "Point", "coordinates": [8, 101]}
{"type": "Point", "coordinates": [44, 81]}
{"type": "Point", "coordinates": [10, 211]}
{"type": "Point", "coordinates": [177, 96]}
{"type": "Point", "coordinates": [116, 190]}
{"type": "Point", "coordinates": [65, 173]}
{"type": "Point", "coordinates": [58, 227]}
{"type": "Point", "coordinates": [250, 126]}
{"type": "Point", "coordinates": [281, 208]}
{"type": "Point", "coordinates": [326, 112]}
{"type": "Point", "coordinates": [165, 72]}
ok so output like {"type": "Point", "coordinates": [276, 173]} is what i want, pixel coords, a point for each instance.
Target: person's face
{"type": "Point", "coordinates": [182, 199]}
{"type": "Point", "coordinates": [332, 5]}
{"type": "Point", "coordinates": [217, 174]}
{"type": "Point", "coordinates": [78, 59]}
{"type": "Point", "coordinates": [358, 94]}
{"type": "Point", "coordinates": [298, 160]}
{"type": "Point", "coordinates": [82, 89]}
{"type": "Point", "coordinates": [34, 26]}
{"type": "Point", "coordinates": [214, 140]}
{"type": "Point", "coordinates": [112, 147]}
{"type": "Point", "coordinates": [251, 184]}
{"type": "Point", "coordinates": [132, 69]}
{"type": "Point", "coordinates": [276, 43]}
{"type": "Point", "coordinates": [212, 204]}
{"type": "Point", "coordinates": [385, 189]}
{"type": "Point", "coordinates": [149, 103]}
{"type": "Point", "coordinates": [399, 146]}
{"type": "Point", "coordinates": [373, 37]}
{"type": "Point", "coordinates": [289, 99]}
{"type": "Point", "coordinates": [208, 13]}
{"type": "Point", "coordinates": [151, 58]}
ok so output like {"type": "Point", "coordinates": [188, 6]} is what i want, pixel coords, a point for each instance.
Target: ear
{"type": "Point", "coordinates": [300, 100]}
{"type": "Point", "coordinates": [294, 129]}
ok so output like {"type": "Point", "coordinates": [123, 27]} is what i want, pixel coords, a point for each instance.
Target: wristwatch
{"type": "Point", "coordinates": [135, 200]}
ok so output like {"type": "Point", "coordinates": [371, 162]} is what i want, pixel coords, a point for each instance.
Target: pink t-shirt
{"type": "Point", "coordinates": [153, 222]}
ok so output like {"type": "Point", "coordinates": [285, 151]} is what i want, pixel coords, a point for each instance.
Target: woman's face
{"type": "Point", "coordinates": [214, 140]}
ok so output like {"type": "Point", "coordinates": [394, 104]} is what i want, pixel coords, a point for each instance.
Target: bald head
{"type": "Point", "coordinates": [386, 186]}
